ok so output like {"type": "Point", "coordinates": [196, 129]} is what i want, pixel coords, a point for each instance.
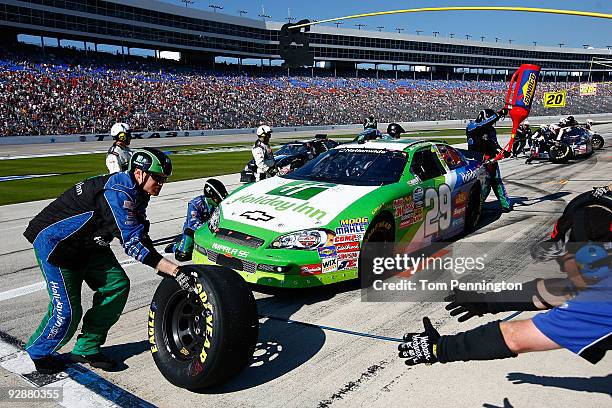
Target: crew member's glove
{"type": "Point", "coordinates": [506, 154]}
{"type": "Point", "coordinates": [420, 348]}
{"type": "Point", "coordinates": [598, 192]}
{"type": "Point", "coordinates": [185, 280]}
{"type": "Point", "coordinates": [503, 112]}
{"type": "Point", "coordinates": [467, 304]}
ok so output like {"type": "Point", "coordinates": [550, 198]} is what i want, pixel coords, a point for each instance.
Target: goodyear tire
{"type": "Point", "coordinates": [473, 210]}
{"type": "Point", "coordinates": [378, 241]}
{"type": "Point", "coordinates": [560, 153]}
{"type": "Point", "coordinates": [203, 339]}
{"type": "Point", "coordinates": [598, 142]}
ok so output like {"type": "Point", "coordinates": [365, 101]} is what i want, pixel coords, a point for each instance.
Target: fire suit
{"type": "Point", "coordinates": [118, 158]}
{"type": "Point", "coordinates": [264, 160]}
{"type": "Point", "coordinates": [199, 211]}
{"type": "Point", "coordinates": [71, 238]}
{"type": "Point", "coordinates": [482, 138]}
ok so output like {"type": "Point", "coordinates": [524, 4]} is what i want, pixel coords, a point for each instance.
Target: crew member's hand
{"type": "Point", "coordinates": [507, 154]}
{"type": "Point", "coordinates": [599, 191]}
{"type": "Point", "coordinates": [185, 280]}
{"type": "Point", "coordinates": [420, 348]}
{"type": "Point", "coordinates": [466, 304]}
{"type": "Point", "coordinates": [503, 112]}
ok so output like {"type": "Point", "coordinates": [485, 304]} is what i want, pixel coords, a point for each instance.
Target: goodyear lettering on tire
{"type": "Point", "coordinates": [152, 331]}
{"type": "Point", "coordinates": [208, 332]}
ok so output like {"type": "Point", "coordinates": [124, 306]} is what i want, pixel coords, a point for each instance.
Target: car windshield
{"type": "Point", "coordinates": [359, 167]}
{"type": "Point", "coordinates": [291, 149]}
{"type": "Point", "coordinates": [576, 131]}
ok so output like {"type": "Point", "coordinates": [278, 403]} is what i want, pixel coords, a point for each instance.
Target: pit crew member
{"type": "Point", "coordinates": [370, 123]}
{"type": "Point", "coordinates": [118, 156]}
{"type": "Point", "coordinates": [523, 135]}
{"type": "Point", "coordinates": [263, 155]}
{"type": "Point", "coordinates": [71, 239]}
{"type": "Point", "coordinates": [580, 307]}
{"type": "Point", "coordinates": [199, 211]}
{"type": "Point", "coordinates": [394, 131]}
{"type": "Point", "coordinates": [482, 138]}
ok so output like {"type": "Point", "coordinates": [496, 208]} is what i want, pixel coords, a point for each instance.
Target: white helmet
{"type": "Point", "coordinates": [121, 131]}
{"type": "Point", "coordinates": [590, 121]}
{"type": "Point", "coordinates": [264, 130]}
{"type": "Point", "coordinates": [526, 123]}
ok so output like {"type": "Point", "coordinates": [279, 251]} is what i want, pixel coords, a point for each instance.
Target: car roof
{"type": "Point", "coordinates": [401, 145]}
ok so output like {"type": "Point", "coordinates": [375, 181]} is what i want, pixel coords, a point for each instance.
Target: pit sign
{"type": "Point", "coordinates": [588, 89]}
{"type": "Point", "coordinates": [555, 99]}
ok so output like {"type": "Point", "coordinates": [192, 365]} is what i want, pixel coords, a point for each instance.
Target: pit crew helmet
{"type": "Point", "coordinates": [121, 132]}
{"type": "Point", "coordinates": [215, 190]}
{"type": "Point", "coordinates": [526, 123]}
{"type": "Point", "coordinates": [152, 161]}
{"type": "Point", "coordinates": [264, 130]}
{"type": "Point", "coordinates": [395, 130]}
{"type": "Point", "coordinates": [590, 122]}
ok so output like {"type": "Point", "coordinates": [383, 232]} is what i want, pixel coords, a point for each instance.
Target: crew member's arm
{"type": "Point", "coordinates": [112, 163]}
{"type": "Point", "coordinates": [263, 166]}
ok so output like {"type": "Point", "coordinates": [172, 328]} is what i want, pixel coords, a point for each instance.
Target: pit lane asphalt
{"type": "Point", "coordinates": [308, 366]}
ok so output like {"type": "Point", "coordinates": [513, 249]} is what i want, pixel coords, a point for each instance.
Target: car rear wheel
{"type": "Point", "coordinates": [598, 142]}
{"type": "Point", "coordinates": [473, 210]}
{"type": "Point", "coordinates": [206, 338]}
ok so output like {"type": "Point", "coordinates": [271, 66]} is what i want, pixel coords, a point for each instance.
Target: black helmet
{"type": "Point", "coordinates": [152, 161]}
{"type": "Point", "coordinates": [395, 130]}
{"type": "Point", "coordinates": [215, 190]}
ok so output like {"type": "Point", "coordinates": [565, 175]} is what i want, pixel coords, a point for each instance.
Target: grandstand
{"type": "Point", "coordinates": [62, 91]}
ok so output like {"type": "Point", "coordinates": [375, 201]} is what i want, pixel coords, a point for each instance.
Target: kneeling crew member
{"type": "Point", "coordinates": [580, 315]}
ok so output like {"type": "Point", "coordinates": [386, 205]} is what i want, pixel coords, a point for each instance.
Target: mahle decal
{"type": "Point", "coordinates": [302, 190]}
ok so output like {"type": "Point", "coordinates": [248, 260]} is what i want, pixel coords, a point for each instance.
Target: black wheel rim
{"type": "Point", "coordinates": [184, 325]}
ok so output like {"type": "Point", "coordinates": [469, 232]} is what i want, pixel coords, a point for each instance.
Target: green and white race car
{"type": "Point", "coordinates": [308, 228]}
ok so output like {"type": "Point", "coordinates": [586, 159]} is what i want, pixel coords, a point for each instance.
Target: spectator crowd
{"type": "Point", "coordinates": [52, 96]}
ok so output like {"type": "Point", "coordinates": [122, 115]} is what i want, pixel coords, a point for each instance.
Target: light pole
{"type": "Point", "coordinates": [496, 39]}
{"type": "Point", "coordinates": [467, 36]}
{"type": "Point", "coordinates": [418, 32]}
{"type": "Point", "coordinates": [264, 16]}
{"type": "Point", "coordinates": [241, 12]}
{"type": "Point", "coordinates": [289, 19]}
{"type": "Point", "coordinates": [535, 43]}
{"type": "Point", "coordinates": [360, 25]}
{"type": "Point", "coordinates": [482, 38]}
{"type": "Point", "coordinates": [510, 40]}
{"type": "Point", "coordinates": [586, 46]}
{"type": "Point", "coordinates": [561, 45]}
{"type": "Point", "coordinates": [435, 33]}
{"type": "Point", "coordinates": [187, 2]}
{"type": "Point", "coordinates": [380, 28]}
{"type": "Point", "coordinates": [215, 7]}
{"type": "Point", "coordinates": [338, 23]}
{"type": "Point", "coordinates": [399, 30]}
{"type": "Point", "coordinates": [451, 35]}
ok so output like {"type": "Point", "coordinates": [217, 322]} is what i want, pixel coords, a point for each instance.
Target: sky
{"type": "Point", "coordinates": [521, 28]}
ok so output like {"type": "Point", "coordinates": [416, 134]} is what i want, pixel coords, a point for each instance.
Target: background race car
{"type": "Point", "coordinates": [310, 227]}
{"type": "Point", "coordinates": [292, 156]}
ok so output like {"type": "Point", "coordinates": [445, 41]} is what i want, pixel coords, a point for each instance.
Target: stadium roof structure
{"type": "Point", "coordinates": [157, 25]}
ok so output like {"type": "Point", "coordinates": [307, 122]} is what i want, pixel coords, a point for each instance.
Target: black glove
{"type": "Point", "coordinates": [598, 192]}
{"type": "Point", "coordinates": [419, 348]}
{"type": "Point", "coordinates": [507, 154]}
{"type": "Point", "coordinates": [185, 280]}
{"type": "Point", "coordinates": [503, 112]}
{"type": "Point", "coordinates": [467, 304]}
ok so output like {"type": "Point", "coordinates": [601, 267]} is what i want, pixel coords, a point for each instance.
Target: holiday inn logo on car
{"type": "Point", "coordinates": [302, 190]}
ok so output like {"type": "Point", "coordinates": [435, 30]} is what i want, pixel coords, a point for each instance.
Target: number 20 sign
{"type": "Point", "coordinates": [555, 99]}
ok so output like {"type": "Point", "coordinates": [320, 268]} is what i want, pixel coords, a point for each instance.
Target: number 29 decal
{"type": "Point", "coordinates": [439, 213]}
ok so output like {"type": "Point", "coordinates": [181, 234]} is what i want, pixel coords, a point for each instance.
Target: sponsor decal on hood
{"type": "Point", "coordinates": [294, 204]}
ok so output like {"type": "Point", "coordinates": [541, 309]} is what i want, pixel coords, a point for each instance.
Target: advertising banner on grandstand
{"type": "Point", "coordinates": [588, 89]}
{"type": "Point", "coordinates": [555, 99]}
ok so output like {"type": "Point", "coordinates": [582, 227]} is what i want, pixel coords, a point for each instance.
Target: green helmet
{"type": "Point", "coordinates": [152, 161]}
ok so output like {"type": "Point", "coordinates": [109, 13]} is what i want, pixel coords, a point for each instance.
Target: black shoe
{"type": "Point", "coordinates": [506, 209]}
{"type": "Point", "coordinates": [98, 360]}
{"type": "Point", "coordinates": [528, 161]}
{"type": "Point", "coordinates": [49, 365]}
{"type": "Point", "coordinates": [169, 248]}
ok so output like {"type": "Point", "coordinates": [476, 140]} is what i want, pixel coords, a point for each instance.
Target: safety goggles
{"type": "Point", "coordinates": [158, 178]}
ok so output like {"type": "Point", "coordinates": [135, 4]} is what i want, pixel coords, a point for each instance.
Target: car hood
{"type": "Point", "coordinates": [285, 205]}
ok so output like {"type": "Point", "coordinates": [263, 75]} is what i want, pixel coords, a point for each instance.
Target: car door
{"type": "Point", "coordinates": [431, 195]}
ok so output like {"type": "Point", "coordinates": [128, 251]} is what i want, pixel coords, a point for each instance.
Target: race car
{"type": "Point", "coordinates": [292, 155]}
{"type": "Point", "coordinates": [309, 227]}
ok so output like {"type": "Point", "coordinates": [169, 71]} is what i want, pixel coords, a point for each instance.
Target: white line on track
{"type": "Point", "coordinates": [35, 287]}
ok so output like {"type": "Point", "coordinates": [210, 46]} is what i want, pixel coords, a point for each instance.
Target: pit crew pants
{"type": "Point", "coordinates": [105, 276]}
{"type": "Point", "coordinates": [495, 182]}
{"type": "Point", "coordinates": [184, 247]}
